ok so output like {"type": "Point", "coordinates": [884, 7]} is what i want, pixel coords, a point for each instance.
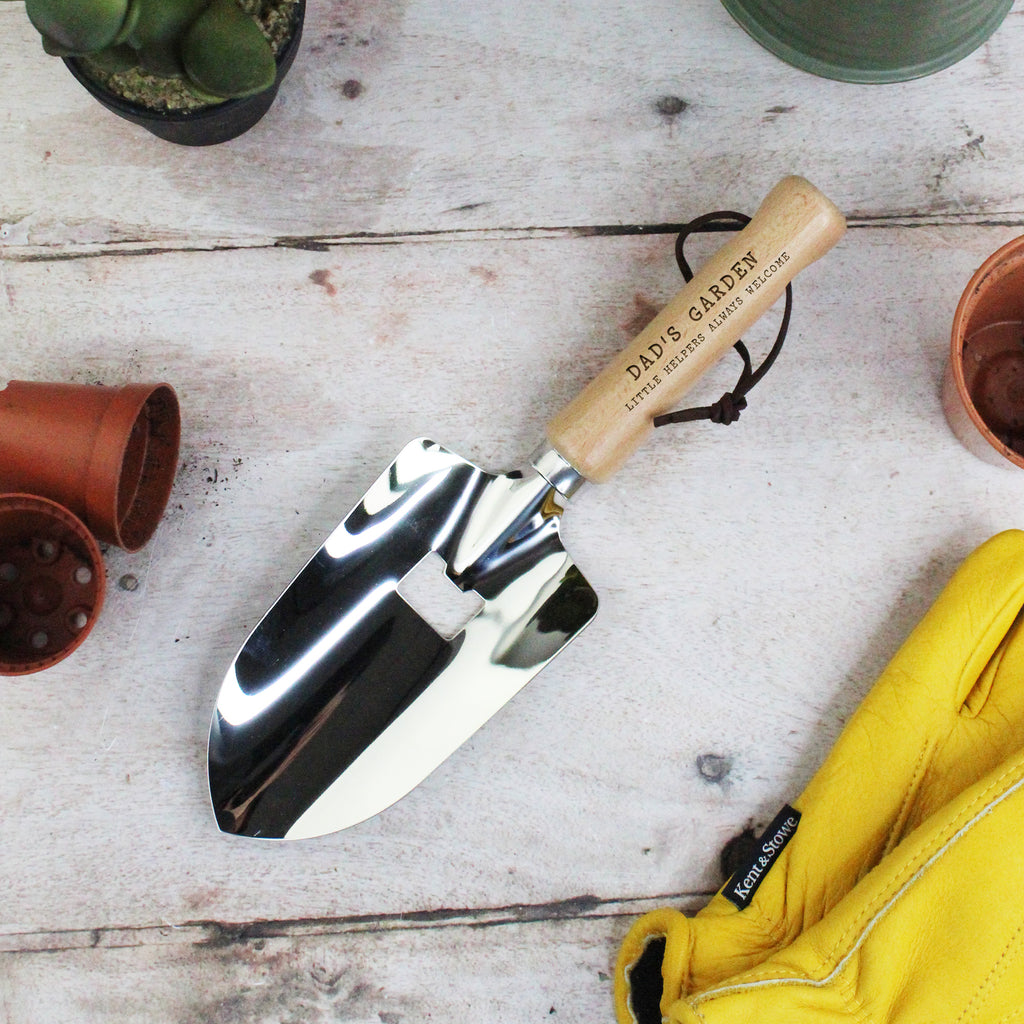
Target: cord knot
{"type": "Point", "coordinates": [727, 409]}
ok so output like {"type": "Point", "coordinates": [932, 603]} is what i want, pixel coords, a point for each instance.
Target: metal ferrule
{"type": "Point", "coordinates": [558, 472]}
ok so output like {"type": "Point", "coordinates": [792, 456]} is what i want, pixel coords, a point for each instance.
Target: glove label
{"type": "Point", "coordinates": [740, 888]}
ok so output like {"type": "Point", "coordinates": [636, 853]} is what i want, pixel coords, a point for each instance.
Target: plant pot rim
{"type": "Point", "coordinates": [830, 59]}
{"type": "Point", "coordinates": [126, 505]}
{"type": "Point", "coordinates": [204, 126]}
{"type": "Point", "coordinates": [108, 453]}
{"type": "Point", "coordinates": [1005, 258]}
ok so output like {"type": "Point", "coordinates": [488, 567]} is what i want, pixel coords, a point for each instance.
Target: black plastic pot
{"type": "Point", "coordinates": [208, 125]}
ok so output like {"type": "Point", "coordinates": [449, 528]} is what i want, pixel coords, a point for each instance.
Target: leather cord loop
{"type": "Point", "coordinates": [728, 408]}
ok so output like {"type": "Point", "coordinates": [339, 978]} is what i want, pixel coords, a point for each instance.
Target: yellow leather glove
{"type": "Point", "coordinates": [946, 710]}
{"type": "Point", "coordinates": [934, 933]}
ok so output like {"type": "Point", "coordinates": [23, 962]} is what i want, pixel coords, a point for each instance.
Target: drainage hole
{"type": "Point", "coordinates": [78, 619]}
{"type": "Point", "coordinates": [46, 551]}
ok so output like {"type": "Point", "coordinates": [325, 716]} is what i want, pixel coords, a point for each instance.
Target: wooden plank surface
{"type": "Point", "coordinates": [380, 972]}
{"type": "Point", "coordinates": [493, 117]}
{"type": "Point", "coordinates": [453, 252]}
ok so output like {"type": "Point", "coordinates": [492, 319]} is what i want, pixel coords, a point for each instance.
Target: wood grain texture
{"type": "Point", "coordinates": [384, 972]}
{"type": "Point", "coordinates": [402, 115]}
{"type": "Point", "coordinates": [791, 545]}
{"type": "Point", "coordinates": [450, 221]}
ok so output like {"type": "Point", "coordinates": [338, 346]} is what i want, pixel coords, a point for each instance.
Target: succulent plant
{"type": "Point", "coordinates": [213, 48]}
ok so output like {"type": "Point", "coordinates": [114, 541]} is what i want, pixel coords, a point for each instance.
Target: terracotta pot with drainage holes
{"type": "Point", "coordinates": [52, 583]}
{"type": "Point", "coordinates": [108, 454]}
{"type": "Point", "coordinates": [983, 390]}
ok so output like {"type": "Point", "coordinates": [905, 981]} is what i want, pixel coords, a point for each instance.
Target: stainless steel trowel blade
{"type": "Point", "coordinates": [344, 698]}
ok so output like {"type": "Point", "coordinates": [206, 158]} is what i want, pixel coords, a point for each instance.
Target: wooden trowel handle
{"type": "Point", "coordinates": [609, 419]}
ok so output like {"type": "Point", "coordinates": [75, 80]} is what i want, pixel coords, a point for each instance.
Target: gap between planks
{"type": "Point", "coordinates": [219, 934]}
{"type": "Point", "coordinates": [319, 243]}
{"type": "Point", "coordinates": [325, 243]}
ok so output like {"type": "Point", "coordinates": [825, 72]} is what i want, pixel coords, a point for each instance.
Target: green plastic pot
{"type": "Point", "coordinates": [870, 40]}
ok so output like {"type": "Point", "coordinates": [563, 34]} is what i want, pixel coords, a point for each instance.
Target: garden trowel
{"type": "Point", "coordinates": [344, 697]}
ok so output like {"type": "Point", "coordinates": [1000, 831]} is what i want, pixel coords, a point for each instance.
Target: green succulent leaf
{"type": "Point", "coordinates": [114, 59]}
{"type": "Point", "coordinates": [159, 31]}
{"type": "Point", "coordinates": [226, 54]}
{"type": "Point", "coordinates": [164, 22]}
{"type": "Point", "coordinates": [203, 97]}
{"type": "Point", "coordinates": [54, 49]}
{"type": "Point", "coordinates": [162, 59]}
{"type": "Point", "coordinates": [78, 26]}
{"type": "Point", "coordinates": [129, 22]}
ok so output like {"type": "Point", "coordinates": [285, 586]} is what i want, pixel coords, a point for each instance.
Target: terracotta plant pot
{"type": "Point", "coordinates": [870, 40]}
{"type": "Point", "coordinates": [983, 389]}
{"type": "Point", "coordinates": [52, 583]}
{"type": "Point", "coordinates": [109, 454]}
{"type": "Point", "coordinates": [207, 126]}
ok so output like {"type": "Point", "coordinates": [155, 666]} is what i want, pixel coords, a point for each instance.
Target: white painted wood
{"type": "Point", "coordinates": [797, 546]}
{"type": "Point", "coordinates": [390, 973]}
{"type": "Point", "coordinates": [481, 116]}
{"type": "Point", "coordinates": [754, 579]}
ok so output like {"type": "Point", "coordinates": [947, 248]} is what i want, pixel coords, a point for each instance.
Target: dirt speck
{"type": "Point", "coordinates": [322, 278]}
{"type": "Point", "coordinates": [714, 767]}
{"type": "Point", "coordinates": [485, 274]}
{"type": "Point", "coordinates": [670, 106]}
{"type": "Point", "coordinates": [325, 978]}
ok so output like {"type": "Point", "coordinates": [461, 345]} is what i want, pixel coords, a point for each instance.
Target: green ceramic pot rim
{"type": "Point", "coordinates": [851, 42]}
